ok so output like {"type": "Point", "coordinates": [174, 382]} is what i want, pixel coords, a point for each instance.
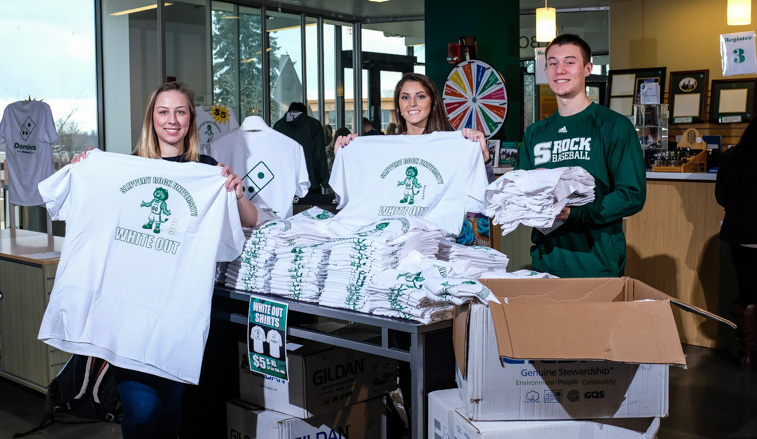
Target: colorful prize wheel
{"type": "Point", "coordinates": [475, 97]}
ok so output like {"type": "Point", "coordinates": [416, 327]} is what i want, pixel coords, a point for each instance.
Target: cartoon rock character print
{"type": "Point", "coordinates": [411, 183]}
{"type": "Point", "coordinates": [157, 209]}
{"type": "Point", "coordinates": [209, 133]}
{"type": "Point", "coordinates": [412, 280]}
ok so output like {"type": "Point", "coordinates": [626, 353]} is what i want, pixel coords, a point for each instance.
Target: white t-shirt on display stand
{"type": "Point", "coordinates": [28, 131]}
{"type": "Point", "coordinates": [271, 165]}
{"type": "Point", "coordinates": [211, 126]}
{"type": "Point", "coordinates": [136, 274]}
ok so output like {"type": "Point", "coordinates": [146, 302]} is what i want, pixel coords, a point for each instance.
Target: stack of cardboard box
{"type": "Point", "coordinates": [557, 356]}
{"type": "Point", "coordinates": [331, 392]}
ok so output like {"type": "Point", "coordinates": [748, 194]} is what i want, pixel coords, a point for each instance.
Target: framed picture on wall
{"type": "Point", "coordinates": [688, 96]}
{"type": "Point", "coordinates": [732, 100]}
{"type": "Point", "coordinates": [626, 86]}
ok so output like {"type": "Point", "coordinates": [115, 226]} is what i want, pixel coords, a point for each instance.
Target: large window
{"type": "Point", "coordinates": [285, 70]}
{"type": "Point", "coordinates": [313, 73]}
{"type": "Point", "coordinates": [48, 55]}
{"type": "Point", "coordinates": [237, 59]}
{"type": "Point", "coordinates": [186, 47]}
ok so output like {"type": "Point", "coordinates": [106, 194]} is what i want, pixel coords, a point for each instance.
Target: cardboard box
{"type": "Point", "coordinates": [362, 420]}
{"type": "Point", "coordinates": [568, 349]}
{"type": "Point", "coordinates": [445, 421]}
{"type": "Point", "coordinates": [322, 379]}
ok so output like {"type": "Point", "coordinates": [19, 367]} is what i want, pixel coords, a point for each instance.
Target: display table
{"type": "Point", "coordinates": [28, 261]}
{"type": "Point", "coordinates": [429, 351]}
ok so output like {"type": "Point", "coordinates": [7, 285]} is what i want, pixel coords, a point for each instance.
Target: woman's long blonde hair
{"type": "Point", "coordinates": [148, 145]}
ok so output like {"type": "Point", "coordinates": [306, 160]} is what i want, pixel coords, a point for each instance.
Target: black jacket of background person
{"type": "Point", "coordinates": [308, 132]}
{"type": "Point", "coordinates": [738, 195]}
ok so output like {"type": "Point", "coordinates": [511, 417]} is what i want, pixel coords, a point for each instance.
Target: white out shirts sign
{"type": "Point", "coordinates": [135, 279]}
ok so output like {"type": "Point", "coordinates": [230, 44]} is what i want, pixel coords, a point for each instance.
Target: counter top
{"type": "Point", "coordinates": [689, 176]}
{"type": "Point", "coordinates": [35, 247]}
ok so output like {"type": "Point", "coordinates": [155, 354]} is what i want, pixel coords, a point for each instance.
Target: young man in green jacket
{"type": "Point", "coordinates": [604, 143]}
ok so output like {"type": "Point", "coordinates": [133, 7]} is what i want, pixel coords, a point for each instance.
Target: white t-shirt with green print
{"type": "Point", "coordinates": [438, 177]}
{"type": "Point", "coordinates": [133, 287]}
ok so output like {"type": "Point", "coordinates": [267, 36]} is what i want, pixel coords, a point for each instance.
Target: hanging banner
{"type": "Point", "coordinates": [266, 337]}
{"type": "Point", "coordinates": [738, 54]}
{"type": "Point", "coordinates": [540, 65]}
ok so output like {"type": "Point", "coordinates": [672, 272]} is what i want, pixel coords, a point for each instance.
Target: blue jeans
{"type": "Point", "coordinates": [152, 405]}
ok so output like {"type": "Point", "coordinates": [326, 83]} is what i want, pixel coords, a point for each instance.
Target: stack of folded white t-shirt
{"type": "Point", "coordinates": [423, 289]}
{"type": "Point", "coordinates": [518, 274]}
{"type": "Point", "coordinates": [360, 252]}
{"type": "Point", "coordinates": [251, 270]}
{"type": "Point", "coordinates": [254, 268]}
{"type": "Point", "coordinates": [299, 272]}
{"type": "Point", "coordinates": [485, 259]}
{"type": "Point", "coordinates": [534, 198]}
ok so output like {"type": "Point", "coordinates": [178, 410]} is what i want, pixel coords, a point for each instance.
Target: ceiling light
{"type": "Point", "coordinates": [739, 12]}
{"type": "Point", "coordinates": [546, 27]}
{"type": "Point", "coordinates": [378, 1]}
{"type": "Point", "coordinates": [140, 9]}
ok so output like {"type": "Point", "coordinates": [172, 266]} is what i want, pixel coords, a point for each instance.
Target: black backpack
{"type": "Point", "coordinates": [83, 391]}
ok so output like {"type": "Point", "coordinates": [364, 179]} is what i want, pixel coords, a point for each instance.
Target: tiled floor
{"type": "Point", "coordinates": [710, 399]}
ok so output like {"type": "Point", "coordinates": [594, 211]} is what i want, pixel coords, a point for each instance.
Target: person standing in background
{"type": "Point", "coordinates": [580, 133]}
{"type": "Point", "coordinates": [368, 129]}
{"type": "Point", "coordinates": [308, 132]}
{"type": "Point", "coordinates": [328, 134]}
{"type": "Point", "coordinates": [343, 131]}
{"type": "Point", "coordinates": [736, 191]}
{"type": "Point", "coordinates": [391, 129]}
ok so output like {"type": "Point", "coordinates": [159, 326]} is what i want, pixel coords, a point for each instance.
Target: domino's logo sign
{"type": "Point", "coordinates": [257, 179]}
{"type": "Point", "coordinates": [27, 128]}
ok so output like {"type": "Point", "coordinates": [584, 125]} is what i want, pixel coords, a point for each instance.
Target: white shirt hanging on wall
{"type": "Point", "coordinates": [272, 165]}
{"type": "Point", "coordinates": [211, 124]}
{"type": "Point", "coordinates": [135, 279]}
{"type": "Point", "coordinates": [28, 131]}
{"type": "Point", "coordinates": [738, 54]}
{"type": "Point", "coordinates": [438, 177]}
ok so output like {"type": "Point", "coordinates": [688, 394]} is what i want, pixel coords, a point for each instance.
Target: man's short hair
{"type": "Point", "coordinates": [564, 39]}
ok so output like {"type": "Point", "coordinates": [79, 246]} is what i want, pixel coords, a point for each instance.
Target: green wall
{"type": "Point", "coordinates": [495, 25]}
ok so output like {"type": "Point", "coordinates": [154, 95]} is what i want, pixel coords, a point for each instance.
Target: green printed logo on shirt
{"type": "Point", "coordinates": [576, 148]}
{"type": "Point", "coordinates": [411, 183]}
{"type": "Point", "coordinates": [258, 178]}
{"type": "Point", "coordinates": [415, 182]}
{"type": "Point", "coordinates": [154, 192]}
{"type": "Point", "coordinates": [158, 208]}
{"type": "Point", "coordinates": [379, 227]}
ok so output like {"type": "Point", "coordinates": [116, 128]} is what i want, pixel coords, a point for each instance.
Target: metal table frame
{"type": "Point", "coordinates": [415, 355]}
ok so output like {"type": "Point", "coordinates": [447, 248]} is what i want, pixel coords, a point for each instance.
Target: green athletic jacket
{"type": "Point", "coordinates": [604, 143]}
